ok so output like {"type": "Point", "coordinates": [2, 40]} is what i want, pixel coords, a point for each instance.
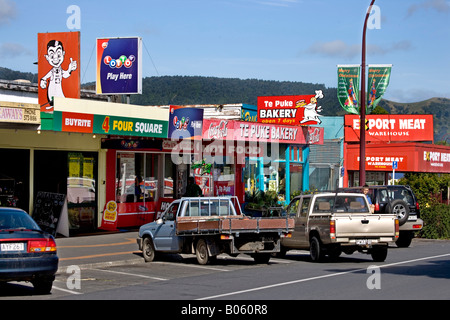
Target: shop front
{"type": "Point", "coordinates": [387, 151]}
{"type": "Point", "coordinates": [258, 157]}
{"type": "Point", "coordinates": [125, 136]}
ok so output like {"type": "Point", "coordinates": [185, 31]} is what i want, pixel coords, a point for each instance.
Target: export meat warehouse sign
{"type": "Point", "coordinates": [410, 157]}
{"type": "Point", "coordinates": [76, 115]}
{"type": "Point", "coordinates": [387, 128]}
{"type": "Point", "coordinates": [219, 129]}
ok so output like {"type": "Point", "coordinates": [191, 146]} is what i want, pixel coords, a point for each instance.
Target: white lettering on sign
{"type": "Point", "coordinates": [78, 122]}
{"type": "Point", "coordinates": [412, 123]}
{"type": "Point", "coordinates": [143, 127]}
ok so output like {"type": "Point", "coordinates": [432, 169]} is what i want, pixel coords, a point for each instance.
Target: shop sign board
{"type": "Point", "coordinates": [387, 128]}
{"type": "Point", "coordinates": [219, 129]}
{"type": "Point", "coordinates": [119, 65]}
{"type": "Point", "coordinates": [434, 160]}
{"type": "Point", "coordinates": [405, 157]}
{"type": "Point", "coordinates": [105, 124]}
{"type": "Point", "coordinates": [185, 123]}
{"type": "Point", "coordinates": [24, 113]}
{"type": "Point", "coordinates": [290, 110]}
{"type": "Point", "coordinates": [58, 67]}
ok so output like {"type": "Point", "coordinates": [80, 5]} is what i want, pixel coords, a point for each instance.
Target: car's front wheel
{"type": "Point", "coordinates": [148, 250]}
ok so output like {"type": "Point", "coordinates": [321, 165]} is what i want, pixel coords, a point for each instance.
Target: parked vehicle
{"type": "Point", "coordinates": [208, 226]}
{"type": "Point", "coordinates": [26, 252]}
{"type": "Point", "coordinates": [400, 200]}
{"type": "Point", "coordinates": [332, 223]}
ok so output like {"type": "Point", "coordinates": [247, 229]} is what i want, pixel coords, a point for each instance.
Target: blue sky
{"type": "Point", "coordinates": [283, 40]}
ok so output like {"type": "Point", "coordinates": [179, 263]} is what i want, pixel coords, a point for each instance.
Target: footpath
{"type": "Point", "coordinates": [98, 250]}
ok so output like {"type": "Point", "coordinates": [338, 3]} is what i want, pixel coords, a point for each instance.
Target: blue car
{"type": "Point", "coordinates": [26, 252]}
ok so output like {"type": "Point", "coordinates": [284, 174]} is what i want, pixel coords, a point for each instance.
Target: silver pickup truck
{"type": "Point", "coordinates": [332, 223]}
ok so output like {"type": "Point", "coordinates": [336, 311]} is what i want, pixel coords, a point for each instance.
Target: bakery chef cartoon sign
{"type": "Point", "coordinates": [58, 67]}
{"type": "Point", "coordinates": [290, 110]}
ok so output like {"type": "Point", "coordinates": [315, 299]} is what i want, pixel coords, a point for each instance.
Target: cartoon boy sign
{"type": "Point", "coordinates": [58, 67]}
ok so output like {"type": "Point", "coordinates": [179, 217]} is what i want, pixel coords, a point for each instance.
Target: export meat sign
{"type": "Point", "coordinates": [250, 131]}
{"type": "Point", "coordinates": [385, 128]}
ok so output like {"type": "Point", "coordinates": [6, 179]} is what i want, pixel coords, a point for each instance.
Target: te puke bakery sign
{"type": "Point", "coordinates": [251, 131]}
{"type": "Point", "coordinates": [386, 128]}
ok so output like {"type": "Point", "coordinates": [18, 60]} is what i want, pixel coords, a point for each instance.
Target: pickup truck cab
{"type": "Point", "coordinates": [208, 226]}
{"type": "Point", "coordinates": [332, 223]}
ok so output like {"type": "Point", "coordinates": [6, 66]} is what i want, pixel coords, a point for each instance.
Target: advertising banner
{"type": "Point", "coordinates": [119, 65]}
{"type": "Point", "coordinates": [378, 81]}
{"type": "Point", "coordinates": [348, 87]}
{"type": "Point", "coordinates": [386, 128]}
{"type": "Point", "coordinates": [58, 67]}
{"type": "Point", "coordinates": [185, 123]}
{"type": "Point", "coordinates": [290, 110]}
{"type": "Point", "coordinates": [105, 124]}
{"type": "Point", "coordinates": [218, 129]}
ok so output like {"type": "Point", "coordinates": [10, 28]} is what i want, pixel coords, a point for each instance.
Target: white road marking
{"type": "Point", "coordinates": [132, 274]}
{"type": "Point", "coordinates": [67, 290]}
{"type": "Point", "coordinates": [317, 278]}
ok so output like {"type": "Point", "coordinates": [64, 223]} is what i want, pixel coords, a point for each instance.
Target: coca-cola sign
{"type": "Point", "coordinates": [218, 130]}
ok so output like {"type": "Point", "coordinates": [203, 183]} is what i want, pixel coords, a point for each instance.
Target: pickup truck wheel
{"type": "Point", "coordinates": [201, 252]}
{"type": "Point", "coordinates": [405, 239]}
{"type": "Point", "coordinates": [148, 251]}
{"type": "Point", "coordinates": [401, 209]}
{"type": "Point", "coordinates": [379, 253]}
{"type": "Point", "coordinates": [262, 257]}
{"type": "Point", "coordinates": [315, 249]}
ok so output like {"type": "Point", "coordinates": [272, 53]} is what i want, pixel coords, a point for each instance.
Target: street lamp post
{"type": "Point", "coordinates": [362, 134]}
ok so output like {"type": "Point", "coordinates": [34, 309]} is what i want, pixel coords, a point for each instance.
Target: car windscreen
{"type": "Point", "coordinates": [341, 204]}
{"type": "Point", "coordinates": [13, 219]}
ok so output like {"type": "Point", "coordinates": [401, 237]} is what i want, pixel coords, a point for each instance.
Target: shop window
{"type": "Point", "coordinates": [168, 176]}
{"type": "Point", "coordinates": [137, 177]}
{"type": "Point", "coordinates": [224, 181]}
{"type": "Point", "coordinates": [81, 190]}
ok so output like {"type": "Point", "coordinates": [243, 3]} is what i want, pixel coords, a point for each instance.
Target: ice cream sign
{"type": "Point", "coordinates": [290, 110]}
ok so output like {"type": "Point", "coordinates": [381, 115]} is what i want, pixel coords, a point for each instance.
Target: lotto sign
{"type": "Point", "coordinates": [119, 65]}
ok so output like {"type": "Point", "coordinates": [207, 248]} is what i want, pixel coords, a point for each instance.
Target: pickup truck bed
{"type": "Point", "coordinates": [231, 224]}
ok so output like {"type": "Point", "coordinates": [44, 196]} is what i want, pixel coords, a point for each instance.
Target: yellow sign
{"type": "Point", "coordinates": [110, 213]}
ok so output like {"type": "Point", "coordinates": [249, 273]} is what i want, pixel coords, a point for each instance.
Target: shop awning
{"type": "Point", "coordinates": [410, 157]}
{"type": "Point", "coordinates": [98, 117]}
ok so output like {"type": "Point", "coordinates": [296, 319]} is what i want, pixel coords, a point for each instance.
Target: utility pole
{"type": "Point", "coordinates": [362, 112]}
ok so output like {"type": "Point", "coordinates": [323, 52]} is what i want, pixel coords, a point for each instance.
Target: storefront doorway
{"type": "Point", "coordinates": [75, 175]}
{"type": "Point", "coordinates": [14, 178]}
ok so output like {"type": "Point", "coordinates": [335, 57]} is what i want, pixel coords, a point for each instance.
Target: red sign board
{"type": "Point", "coordinates": [387, 128]}
{"type": "Point", "coordinates": [251, 131]}
{"type": "Point", "coordinates": [77, 122]}
{"type": "Point", "coordinates": [290, 110]}
{"type": "Point", "coordinates": [411, 157]}
{"type": "Point", "coordinates": [58, 67]}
